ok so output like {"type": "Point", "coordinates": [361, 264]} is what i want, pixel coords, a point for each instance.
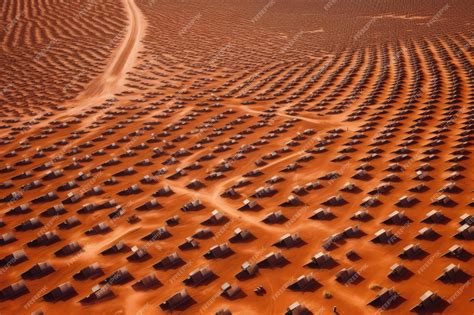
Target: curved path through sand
{"type": "Point", "coordinates": [123, 59]}
{"type": "Point", "coordinates": [113, 77]}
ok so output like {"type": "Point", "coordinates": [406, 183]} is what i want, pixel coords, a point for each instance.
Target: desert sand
{"type": "Point", "coordinates": [236, 157]}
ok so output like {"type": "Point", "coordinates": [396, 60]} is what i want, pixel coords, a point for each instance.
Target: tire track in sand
{"type": "Point", "coordinates": [110, 80]}
{"type": "Point", "coordinates": [113, 78]}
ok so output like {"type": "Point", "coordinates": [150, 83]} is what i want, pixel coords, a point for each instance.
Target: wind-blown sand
{"type": "Point", "coordinates": [318, 93]}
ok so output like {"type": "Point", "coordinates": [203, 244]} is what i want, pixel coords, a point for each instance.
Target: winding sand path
{"type": "Point", "coordinates": [123, 59]}
{"type": "Point", "coordinates": [113, 77]}
{"type": "Point", "coordinates": [112, 80]}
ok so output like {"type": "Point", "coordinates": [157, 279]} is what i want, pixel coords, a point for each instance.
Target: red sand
{"type": "Point", "coordinates": [244, 79]}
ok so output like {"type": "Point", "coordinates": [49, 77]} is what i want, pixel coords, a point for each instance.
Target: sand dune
{"type": "Point", "coordinates": [236, 157]}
